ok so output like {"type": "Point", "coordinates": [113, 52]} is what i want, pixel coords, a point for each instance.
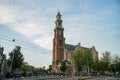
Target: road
{"type": "Point", "coordinates": [88, 78]}
{"type": "Point", "coordinates": [103, 78]}
{"type": "Point", "coordinates": [49, 78]}
{"type": "Point", "coordinates": [68, 78]}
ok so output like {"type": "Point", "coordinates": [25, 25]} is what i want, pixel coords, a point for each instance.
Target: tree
{"type": "Point", "coordinates": [1, 55]}
{"type": "Point", "coordinates": [2, 63]}
{"type": "Point", "coordinates": [42, 70]}
{"type": "Point", "coordinates": [63, 66]}
{"type": "Point", "coordinates": [115, 65]}
{"type": "Point", "coordinates": [88, 59]}
{"type": "Point", "coordinates": [96, 65]}
{"type": "Point", "coordinates": [25, 67]}
{"type": "Point", "coordinates": [49, 68]}
{"type": "Point", "coordinates": [77, 57]}
{"type": "Point", "coordinates": [106, 59]}
{"type": "Point", "coordinates": [82, 59]}
{"type": "Point", "coordinates": [16, 58]}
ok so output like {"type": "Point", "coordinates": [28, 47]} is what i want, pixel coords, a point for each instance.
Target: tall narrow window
{"type": "Point", "coordinates": [60, 42]}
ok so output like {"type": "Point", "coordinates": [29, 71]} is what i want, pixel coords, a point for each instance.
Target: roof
{"type": "Point", "coordinates": [70, 47]}
{"type": "Point", "coordinates": [86, 48]}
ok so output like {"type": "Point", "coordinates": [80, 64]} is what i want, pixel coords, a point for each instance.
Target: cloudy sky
{"type": "Point", "coordinates": [31, 24]}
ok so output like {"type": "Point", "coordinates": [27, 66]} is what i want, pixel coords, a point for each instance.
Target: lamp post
{"type": "Point", "coordinates": [81, 64]}
{"type": "Point", "coordinates": [11, 63]}
{"type": "Point", "coordinates": [11, 60]}
{"type": "Point", "coordinates": [88, 67]}
{"type": "Point", "coordinates": [73, 62]}
{"type": "Point", "coordinates": [81, 69]}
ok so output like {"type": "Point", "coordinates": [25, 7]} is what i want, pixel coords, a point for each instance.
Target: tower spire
{"type": "Point", "coordinates": [58, 15]}
{"type": "Point", "coordinates": [58, 43]}
{"type": "Point", "coordinates": [58, 20]}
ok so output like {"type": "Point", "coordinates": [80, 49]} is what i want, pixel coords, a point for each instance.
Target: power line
{"type": "Point", "coordinates": [11, 39]}
{"type": "Point", "coordinates": [80, 13]}
{"type": "Point", "coordinates": [30, 49]}
{"type": "Point", "coordinates": [25, 46]}
{"type": "Point", "coordinates": [24, 43]}
{"type": "Point", "coordinates": [29, 44]}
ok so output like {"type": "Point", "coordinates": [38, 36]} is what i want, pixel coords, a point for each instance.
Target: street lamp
{"type": "Point", "coordinates": [88, 67]}
{"type": "Point", "coordinates": [12, 59]}
{"type": "Point", "coordinates": [73, 64]}
{"type": "Point", "coordinates": [81, 64]}
{"type": "Point", "coordinates": [81, 69]}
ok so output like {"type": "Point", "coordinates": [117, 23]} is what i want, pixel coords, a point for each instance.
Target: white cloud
{"type": "Point", "coordinates": [33, 24]}
{"type": "Point", "coordinates": [45, 41]}
{"type": "Point", "coordinates": [6, 15]}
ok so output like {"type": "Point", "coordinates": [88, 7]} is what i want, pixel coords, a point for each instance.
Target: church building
{"type": "Point", "coordinates": [62, 51]}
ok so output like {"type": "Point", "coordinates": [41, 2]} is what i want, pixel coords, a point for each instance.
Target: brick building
{"type": "Point", "coordinates": [62, 51]}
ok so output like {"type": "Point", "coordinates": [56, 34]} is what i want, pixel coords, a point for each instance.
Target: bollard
{"type": "Point", "coordinates": [80, 76]}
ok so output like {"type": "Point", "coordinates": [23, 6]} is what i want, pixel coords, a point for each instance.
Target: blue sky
{"type": "Point", "coordinates": [89, 22]}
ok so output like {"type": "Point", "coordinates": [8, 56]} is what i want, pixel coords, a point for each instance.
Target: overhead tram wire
{"type": "Point", "coordinates": [14, 14]}
{"type": "Point", "coordinates": [25, 46]}
{"type": "Point", "coordinates": [14, 24]}
{"type": "Point", "coordinates": [9, 39]}
{"type": "Point", "coordinates": [38, 51]}
{"type": "Point", "coordinates": [28, 48]}
{"type": "Point", "coordinates": [21, 42]}
{"type": "Point", "coordinates": [81, 10]}
{"type": "Point", "coordinates": [30, 45]}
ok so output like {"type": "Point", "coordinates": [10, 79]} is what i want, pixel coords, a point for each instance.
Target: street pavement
{"type": "Point", "coordinates": [50, 78]}
{"type": "Point", "coordinates": [103, 78]}
{"type": "Point", "coordinates": [67, 78]}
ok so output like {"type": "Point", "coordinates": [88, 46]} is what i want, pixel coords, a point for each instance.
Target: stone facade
{"type": "Point", "coordinates": [70, 48]}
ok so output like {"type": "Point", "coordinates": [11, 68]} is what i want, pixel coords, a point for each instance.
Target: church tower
{"type": "Point", "coordinates": [58, 43]}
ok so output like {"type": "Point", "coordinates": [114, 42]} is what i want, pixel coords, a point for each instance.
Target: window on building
{"type": "Point", "coordinates": [60, 42]}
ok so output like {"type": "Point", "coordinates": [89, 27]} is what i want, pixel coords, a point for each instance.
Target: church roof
{"type": "Point", "coordinates": [70, 47]}
{"type": "Point", "coordinates": [85, 48]}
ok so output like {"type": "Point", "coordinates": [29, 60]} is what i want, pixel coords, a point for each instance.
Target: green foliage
{"type": "Point", "coordinates": [106, 57]}
{"type": "Point", "coordinates": [81, 59]}
{"type": "Point", "coordinates": [115, 65]}
{"type": "Point", "coordinates": [88, 59]}
{"type": "Point", "coordinates": [49, 68]}
{"type": "Point", "coordinates": [63, 66]}
{"type": "Point", "coordinates": [105, 61]}
{"type": "Point", "coordinates": [77, 57]}
{"type": "Point", "coordinates": [96, 65]}
{"type": "Point", "coordinates": [42, 70]}
{"type": "Point", "coordinates": [1, 50]}
{"type": "Point", "coordinates": [25, 67]}
{"type": "Point", "coordinates": [16, 58]}
{"type": "Point", "coordinates": [104, 66]}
